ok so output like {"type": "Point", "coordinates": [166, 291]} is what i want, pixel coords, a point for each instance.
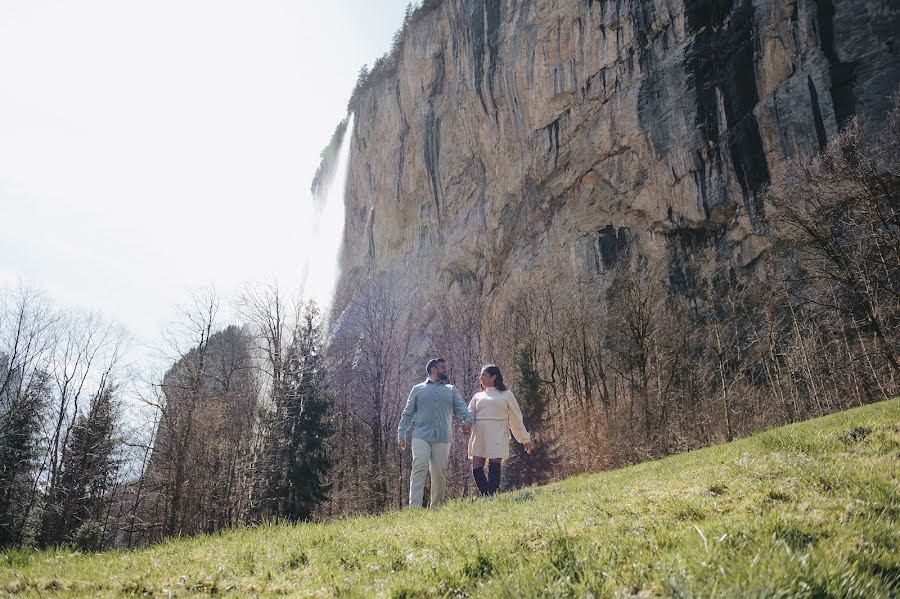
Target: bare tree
{"type": "Point", "coordinates": [370, 376]}
{"type": "Point", "coordinates": [88, 353]}
{"type": "Point", "coordinates": [76, 510]}
{"type": "Point", "coordinates": [370, 329]}
{"type": "Point", "coordinates": [180, 402]}
{"type": "Point", "coordinates": [26, 325]}
{"type": "Point", "coordinates": [636, 299]}
{"type": "Point", "coordinates": [837, 217]}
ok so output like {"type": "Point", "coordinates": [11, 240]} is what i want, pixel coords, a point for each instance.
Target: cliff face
{"type": "Point", "coordinates": [523, 138]}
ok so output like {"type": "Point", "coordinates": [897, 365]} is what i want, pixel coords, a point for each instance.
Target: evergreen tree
{"type": "Point", "coordinates": [523, 469]}
{"type": "Point", "coordinates": [21, 413]}
{"type": "Point", "coordinates": [295, 454]}
{"type": "Point", "coordinates": [76, 510]}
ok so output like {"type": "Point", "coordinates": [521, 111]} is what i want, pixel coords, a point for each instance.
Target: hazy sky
{"type": "Point", "coordinates": [150, 147]}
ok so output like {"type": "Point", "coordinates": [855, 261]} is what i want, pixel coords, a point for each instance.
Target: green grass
{"type": "Point", "coordinates": [808, 510]}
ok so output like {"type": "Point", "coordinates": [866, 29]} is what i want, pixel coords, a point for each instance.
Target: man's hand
{"type": "Point", "coordinates": [402, 444]}
{"type": "Point", "coordinates": [466, 427]}
{"type": "Point", "coordinates": [529, 448]}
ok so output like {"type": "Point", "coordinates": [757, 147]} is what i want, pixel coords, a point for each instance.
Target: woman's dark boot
{"type": "Point", "coordinates": [493, 477]}
{"type": "Point", "coordinates": [480, 480]}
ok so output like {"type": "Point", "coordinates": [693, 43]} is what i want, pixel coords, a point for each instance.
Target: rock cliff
{"type": "Point", "coordinates": [514, 139]}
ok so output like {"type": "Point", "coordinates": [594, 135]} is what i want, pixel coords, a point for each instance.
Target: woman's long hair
{"type": "Point", "coordinates": [498, 381]}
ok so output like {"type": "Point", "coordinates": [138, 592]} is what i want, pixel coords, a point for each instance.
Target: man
{"type": "Point", "coordinates": [431, 406]}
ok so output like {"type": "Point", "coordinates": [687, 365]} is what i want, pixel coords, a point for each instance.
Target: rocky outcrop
{"type": "Point", "coordinates": [518, 138]}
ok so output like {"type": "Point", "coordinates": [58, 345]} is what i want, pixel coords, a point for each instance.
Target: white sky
{"type": "Point", "coordinates": [152, 147]}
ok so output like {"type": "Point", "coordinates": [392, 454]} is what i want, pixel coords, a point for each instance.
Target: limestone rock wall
{"type": "Point", "coordinates": [525, 138]}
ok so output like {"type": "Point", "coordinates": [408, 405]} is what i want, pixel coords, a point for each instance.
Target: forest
{"type": "Point", "coordinates": [290, 412]}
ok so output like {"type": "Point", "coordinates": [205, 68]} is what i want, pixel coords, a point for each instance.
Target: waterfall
{"type": "Point", "coordinates": [321, 268]}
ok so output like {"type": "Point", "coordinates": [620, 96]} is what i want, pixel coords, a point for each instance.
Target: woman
{"type": "Point", "coordinates": [495, 412]}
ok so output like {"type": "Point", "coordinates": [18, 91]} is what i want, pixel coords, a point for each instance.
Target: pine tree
{"type": "Point", "coordinates": [21, 413]}
{"type": "Point", "coordinates": [523, 469]}
{"type": "Point", "coordinates": [295, 453]}
{"type": "Point", "coordinates": [75, 511]}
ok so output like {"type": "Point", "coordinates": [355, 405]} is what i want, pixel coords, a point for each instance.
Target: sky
{"type": "Point", "coordinates": [151, 148]}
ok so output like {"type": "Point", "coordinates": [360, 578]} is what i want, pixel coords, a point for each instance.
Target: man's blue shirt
{"type": "Point", "coordinates": [431, 406]}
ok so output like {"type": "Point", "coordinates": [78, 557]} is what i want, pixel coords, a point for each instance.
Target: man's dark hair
{"type": "Point", "coordinates": [432, 363]}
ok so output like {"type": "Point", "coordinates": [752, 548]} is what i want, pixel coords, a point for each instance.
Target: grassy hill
{"type": "Point", "coordinates": [809, 510]}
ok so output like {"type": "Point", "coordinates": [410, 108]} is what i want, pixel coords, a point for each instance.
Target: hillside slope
{"type": "Point", "coordinates": [805, 510]}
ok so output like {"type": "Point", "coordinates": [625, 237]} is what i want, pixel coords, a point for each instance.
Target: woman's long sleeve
{"type": "Point", "coordinates": [515, 420]}
{"type": "Point", "coordinates": [472, 409]}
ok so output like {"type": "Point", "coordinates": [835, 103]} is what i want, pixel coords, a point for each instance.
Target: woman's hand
{"type": "Point", "coordinates": [529, 448]}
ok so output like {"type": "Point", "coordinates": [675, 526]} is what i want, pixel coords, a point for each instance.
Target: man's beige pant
{"type": "Point", "coordinates": [428, 457]}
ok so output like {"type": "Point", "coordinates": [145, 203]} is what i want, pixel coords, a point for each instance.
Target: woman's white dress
{"type": "Point", "coordinates": [495, 414]}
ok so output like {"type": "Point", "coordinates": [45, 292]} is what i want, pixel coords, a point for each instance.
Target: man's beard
{"type": "Point", "coordinates": [443, 376]}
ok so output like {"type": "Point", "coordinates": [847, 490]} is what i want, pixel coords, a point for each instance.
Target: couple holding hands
{"type": "Point", "coordinates": [490, 417]}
